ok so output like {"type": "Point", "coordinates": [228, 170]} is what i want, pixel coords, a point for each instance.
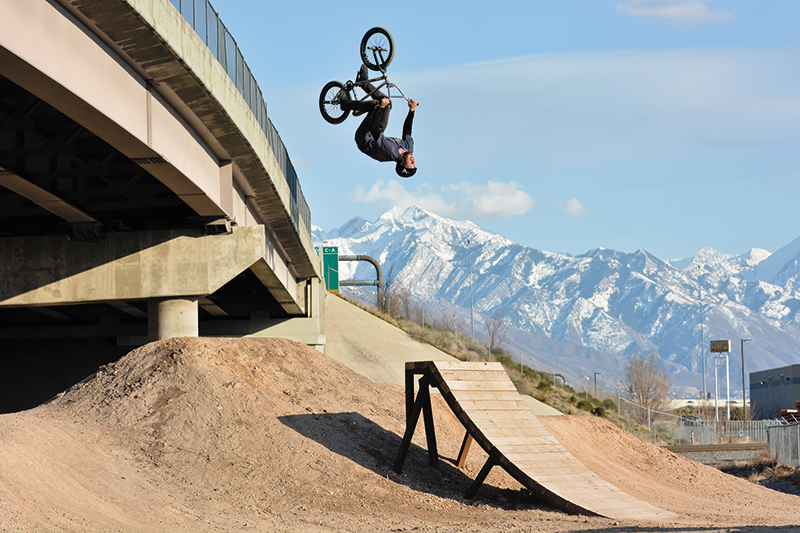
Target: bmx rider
{"type": "Point", "coordinates": [370, 138]}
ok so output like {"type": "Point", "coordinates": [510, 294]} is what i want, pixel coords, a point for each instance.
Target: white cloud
{"type": "Point", "coordinates": [493, 200]}
{"type": "Point", "coordinates": [462, 201]}
{"type": "Point", "coordinates": [574, 208]}
{"type": "Point", "coordinates": [678, 13]}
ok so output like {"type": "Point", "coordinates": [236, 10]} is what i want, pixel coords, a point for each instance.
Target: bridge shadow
{"type": "Point", "coordinates": [369, 445]}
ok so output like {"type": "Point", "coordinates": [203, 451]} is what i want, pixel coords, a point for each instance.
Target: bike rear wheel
{"type": "Point", "coordinates": [377, 49]}
{"type": "Point", "coordinates": [330, 102]}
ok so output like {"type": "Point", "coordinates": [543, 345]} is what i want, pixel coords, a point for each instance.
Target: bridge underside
{"type": "Point", "coordinates": [74, 214]}
{"type": "Point", "coordinates": [87, 182]}
{"type": "Point", "coordinates": [58, 178]}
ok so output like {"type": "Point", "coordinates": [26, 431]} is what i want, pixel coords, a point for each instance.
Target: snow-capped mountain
{"type": "Point", "coordinates": [589, 313]}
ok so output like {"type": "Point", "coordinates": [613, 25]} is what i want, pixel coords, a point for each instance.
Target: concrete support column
{"type": "Point", "coordinates": [172, 317]}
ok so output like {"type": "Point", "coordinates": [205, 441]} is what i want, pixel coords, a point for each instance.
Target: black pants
{"type": "Point", "coordinates": [374, 123]}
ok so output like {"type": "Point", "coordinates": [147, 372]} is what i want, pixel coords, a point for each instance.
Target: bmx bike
{"type": "Point", "coordinates": [377, 52]}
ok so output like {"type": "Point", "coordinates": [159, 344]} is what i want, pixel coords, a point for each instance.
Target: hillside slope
{"type": "Point", "coordinates": [377, 350]}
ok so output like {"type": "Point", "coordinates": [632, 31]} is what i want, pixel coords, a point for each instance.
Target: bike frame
{"type": "Point", "coordinates": [384, 83]}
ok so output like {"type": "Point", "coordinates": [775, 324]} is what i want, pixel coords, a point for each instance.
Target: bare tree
{"type": "Point", "coordinates": [445, 321]}
{"type": "Point", "coordinates": [406, 306]}
{"type": "Point", "coordinates": [497, 330]}
{"type": "Point", "coordinates": [387, 301]}
{"type": "Point", "coordinates": [648, 384]}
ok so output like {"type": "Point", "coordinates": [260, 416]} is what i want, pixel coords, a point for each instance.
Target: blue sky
{"type": "Point", "coordinates": [565, 125]}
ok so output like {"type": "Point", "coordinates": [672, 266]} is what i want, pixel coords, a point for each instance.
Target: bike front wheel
{"type": "Point", "coordinates": [330, 102]}
{"type": "Point", "coordinates": [377, 49]}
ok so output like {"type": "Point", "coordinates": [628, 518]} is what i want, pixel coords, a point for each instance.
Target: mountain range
{"type": "Point", "coordinates": [584, 316]}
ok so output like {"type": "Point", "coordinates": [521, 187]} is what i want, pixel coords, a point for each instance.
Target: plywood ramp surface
{"type": "Point", "coordinates": [487, 403]}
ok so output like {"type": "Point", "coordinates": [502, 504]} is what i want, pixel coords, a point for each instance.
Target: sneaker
{"type": "Point", "coordinates": [362, 74]}
{"type": "Point", "coordinates": [343, 99]}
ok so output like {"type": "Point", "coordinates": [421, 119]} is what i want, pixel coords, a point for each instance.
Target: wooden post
{"type": "Point", "coordinates": [409, 394]}
{"type": "Point", "coordinates": [462, 455]}
{"type": "Point", "coordinates": [423, 405]}
{"type": "Point", "coordinates": [430, 431]}
{"type": "Point", "coordinates": [473, 489]}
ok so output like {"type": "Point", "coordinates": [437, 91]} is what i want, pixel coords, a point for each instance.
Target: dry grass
{"type": "Point", "coordinates": [764, 471]}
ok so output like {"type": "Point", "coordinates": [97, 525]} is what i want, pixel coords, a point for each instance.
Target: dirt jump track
{"type": "Point", "coordinates": [269, 435]}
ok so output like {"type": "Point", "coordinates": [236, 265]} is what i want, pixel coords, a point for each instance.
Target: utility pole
{"type": "Point", "coordinates": [471, 317]}
{"type": "Point", "coordinates": [702, 336]}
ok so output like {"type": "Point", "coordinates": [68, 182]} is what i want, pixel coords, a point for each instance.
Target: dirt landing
{"type": "Point", "coordinates": [270, 435]}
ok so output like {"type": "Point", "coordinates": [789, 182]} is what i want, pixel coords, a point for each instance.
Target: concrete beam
{"type": "Point", "coordinates": [81, 77]}
{"type": "Point", "coordinates": [41, 271]}
{"type": "Point", "coordinates": [43, 198]}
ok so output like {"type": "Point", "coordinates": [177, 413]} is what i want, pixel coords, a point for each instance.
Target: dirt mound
{"type": "Point", "coordinates": [228, 435]}
{"type": "Point", "coordinates": [271, 435]}
{"type": "Point", "coordinates": [679, 484]}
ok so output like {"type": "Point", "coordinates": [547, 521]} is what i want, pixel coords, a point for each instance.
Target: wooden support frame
{"type": "Point", "coordinates": [495, 416]}
{"type": "Point", "coordinates": [423, 405]}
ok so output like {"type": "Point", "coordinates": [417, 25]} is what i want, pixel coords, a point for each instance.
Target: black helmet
{"type": "Point", "coordinates": [404, 172]}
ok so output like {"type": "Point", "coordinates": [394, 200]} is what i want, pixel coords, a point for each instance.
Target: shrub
{"type": "Point", "coordinates": [609, 405]}
{"type": "Point", "coordinates": [599, 411]}
{"type": "Point", "coordinates": [737, 413]}
{"type": "Point", "coordinates": [586, 405]}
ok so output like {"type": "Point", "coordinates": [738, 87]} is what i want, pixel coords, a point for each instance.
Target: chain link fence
{"type": "Point", "coordinates": [688, 429]}
{"type": "Point", "coordinates": [784, 443]}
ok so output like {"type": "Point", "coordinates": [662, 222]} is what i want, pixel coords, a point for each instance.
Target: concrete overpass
{"type": "Point", "coordinates": [144, 191]}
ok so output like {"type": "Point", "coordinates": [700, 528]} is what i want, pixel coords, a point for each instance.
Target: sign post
{"type": "Point", "coordinates": [330, 267]}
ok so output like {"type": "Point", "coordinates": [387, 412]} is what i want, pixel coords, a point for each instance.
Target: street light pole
{"type": "Point", "coordinates": [702, 334]}
{"type": "Point", "coordinates": [703, 343]}
{"type": "Point", "coordinates": [471, 317]}
{"type": "Point", "coordinates": [744, 387]}
{"type": "Point", "coordinates": [595, 383]}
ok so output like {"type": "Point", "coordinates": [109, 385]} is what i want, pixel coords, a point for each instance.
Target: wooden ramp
{"type": "Point", "coordinates": [495, 416]}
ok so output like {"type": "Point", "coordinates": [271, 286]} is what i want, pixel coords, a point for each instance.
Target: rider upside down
{"type": "Point", "coordinates": [370, 138]}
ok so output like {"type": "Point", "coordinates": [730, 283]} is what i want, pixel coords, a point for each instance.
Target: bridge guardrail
{"type": "Point", "coordinates": [206, 22]}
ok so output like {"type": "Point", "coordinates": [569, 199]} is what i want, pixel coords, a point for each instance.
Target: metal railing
{"type": "Point", "coordinates": [727, 431]}
{"type": "Point", "coordinates": [784, 443]}
{"type": "Point", "coordinates": [206, 22]}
